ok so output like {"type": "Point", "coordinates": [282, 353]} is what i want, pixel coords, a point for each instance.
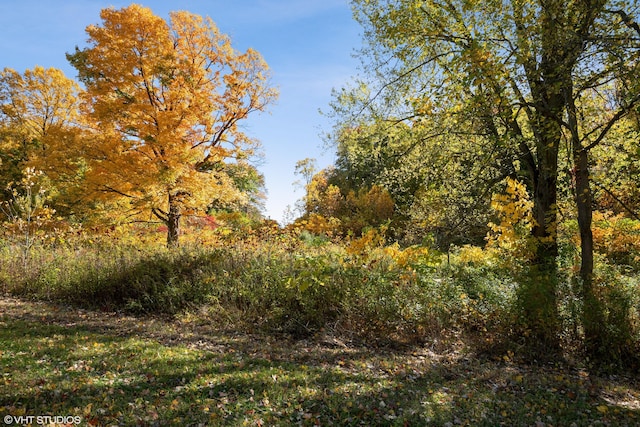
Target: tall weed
{"type": "Point", "coordinates": [300, 285]}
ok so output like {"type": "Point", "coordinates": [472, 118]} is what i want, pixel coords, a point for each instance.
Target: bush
{"type": "Point", "coordinates": [619, 297]}
{"type": "Point", "coordinates": [299, 285]}
{"type": "Point", "coordinates": [279, 283]}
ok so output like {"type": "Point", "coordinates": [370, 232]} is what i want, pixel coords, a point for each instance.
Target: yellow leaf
{"type": "Point", "coordinates": [174, 404]}
{"type": "Point", "coordinates": [603, 409]}
{"type": "Point", "coordinates": [87, 409]}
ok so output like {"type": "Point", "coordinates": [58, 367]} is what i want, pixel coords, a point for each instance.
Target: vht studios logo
{"type": "Point", "coordinates": [42, 419]}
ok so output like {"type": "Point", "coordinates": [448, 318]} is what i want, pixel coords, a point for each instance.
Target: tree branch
{"type": "Point", "coordinates": [630, 23]}
{"type": "Point", "coordinates": [613, 120]}
{"type": "Point", "coordinates": [113, 190]}
{"type": "Point", "coordinates": [160, 214]}
{"type": "Point", "coordinates": [614, 197]}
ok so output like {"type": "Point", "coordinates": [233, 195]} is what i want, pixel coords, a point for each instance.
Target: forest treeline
{"type": "Point", "coordinates": [485, 178]}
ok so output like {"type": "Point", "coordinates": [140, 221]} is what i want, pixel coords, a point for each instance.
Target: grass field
{"type": "Point", "coordinates": [111, 369]}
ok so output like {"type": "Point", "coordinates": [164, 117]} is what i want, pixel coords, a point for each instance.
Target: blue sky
{"type": "Point", "coordinates": [308, 44]}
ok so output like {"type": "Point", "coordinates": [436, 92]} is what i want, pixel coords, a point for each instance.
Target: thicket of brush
{"type": "Point", "coordinates": [301, 284]}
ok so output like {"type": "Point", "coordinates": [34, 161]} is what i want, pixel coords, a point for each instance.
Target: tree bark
{"type": "Point", "coordinates": [592, 314]}
{"type": "Point", "coordinates": [546, 78]}
{"type": "Point", "coordinates": [549, 108]}
{"type": "Point", "coordinates": [538, 292]}
{"type": "Point", "coordinates": [593, 317]}
{"type": "Point", "coordinates": [173, 221]}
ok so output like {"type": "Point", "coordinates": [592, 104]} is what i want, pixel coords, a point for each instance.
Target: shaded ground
{"type": "Point", "coordinates": [113, 369]}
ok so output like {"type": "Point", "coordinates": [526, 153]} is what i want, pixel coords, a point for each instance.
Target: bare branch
{"type": "Point", "coordinates": [109, 189]}
{"type": "Point", "coordinates": [614, 197]}
{"type": "Point", "coordinates": [626, 19]}
{"type": "Point", "coordinates": [160, 214]}
{"type": "Point", "coordinates": [613, 120]}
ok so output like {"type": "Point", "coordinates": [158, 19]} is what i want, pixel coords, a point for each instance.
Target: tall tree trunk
{"type": "Point", "coordinates": [538, 291]}
{"type": "Point", "coordinates": [173, 221]}
{"type": "Point", "coordinates": [537, 296]}
{"type": "Point", "coordinates": [545, 208]}
{"type": "Point", "coordinates": [592, 313]}
{"type": "Point", "coordinates": [545, 79]}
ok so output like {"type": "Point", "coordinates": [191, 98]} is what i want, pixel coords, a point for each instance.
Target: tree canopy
{"type": "Point", "coordinates": [165, 100]}
{"type": "Point", "coordinates": [40, 124]}
{"type": "Point", "coordinates": [518, 80]}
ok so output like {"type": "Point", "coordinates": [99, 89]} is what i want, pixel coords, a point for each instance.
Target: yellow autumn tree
{"type": "Point", "coordinates": [40, 130]}
{"type": "Point", "coordinates": [166, 98]}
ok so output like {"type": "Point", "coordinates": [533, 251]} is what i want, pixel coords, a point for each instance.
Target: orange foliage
{"type": "Point", "coordinates": [616, 237]}
{"type": "Point", "coordinates": [39, 114]}
{"type": "Point", "coordinates": [166, 99]}
{"type": "Point", "coordinates": [321, 225]}
{"type": "Point", "coordinates": [370, 240]}
{"type": "Point", "coordinates": [346, 214]}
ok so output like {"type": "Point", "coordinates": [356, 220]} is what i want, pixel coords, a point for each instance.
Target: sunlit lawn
{"type": "Point", "coordinates": [116, 370]}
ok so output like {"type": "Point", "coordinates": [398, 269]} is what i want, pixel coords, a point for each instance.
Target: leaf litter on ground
{"type": "Point", "coordinates": [114, 369]}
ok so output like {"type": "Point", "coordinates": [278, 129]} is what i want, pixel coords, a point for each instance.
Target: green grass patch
{"type": "Point", "coordinates": [112, 369]}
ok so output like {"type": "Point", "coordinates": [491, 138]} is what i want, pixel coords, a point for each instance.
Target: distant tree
{"type": "Point", "coordinates": [306, 169]}
{"type": "Point", "coordinates": [441, 203]}
{"type": "Point", "coordinates": [166, 99]}
{"type": "Point", "coordinates": [347, 212]}
{"type": "Point", "coordinates": [40, 131]}
{"type": "Point", "coordinates": [249, 183]}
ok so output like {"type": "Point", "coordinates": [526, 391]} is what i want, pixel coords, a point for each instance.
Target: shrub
{"type": "Point", "coordinates": [281, 283]}
{"type": "Point", "coordinates": [619, 296]}
{"type": "Point", "coordinates": [618, 238]}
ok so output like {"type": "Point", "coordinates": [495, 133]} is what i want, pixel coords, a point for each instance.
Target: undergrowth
{"type": "Point", "coordinates": [284, 283]}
